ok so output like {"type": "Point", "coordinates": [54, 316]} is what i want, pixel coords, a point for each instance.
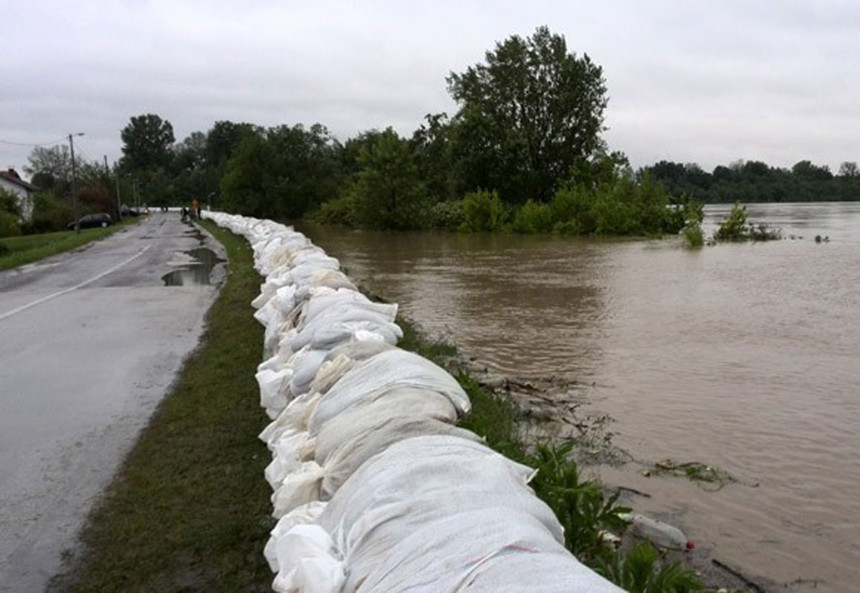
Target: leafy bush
{"type": "Point", "coordinates": [9, 226]}
{"type": "Point", "coordinates": [483, 211]}
{"type": "Point", "coordinates": [640, 571]}
{"type": "Point", "coordinates": [733, 227]}
{"type": "Point", "coordinates": [694, 234]}
{"type": "Point", "coordinates": [579, 505]}
{"type": "Point", "coordinates": [338, 211]}
{"type": "Point", "coordinates": [533, 218]}
{"type": "Point", "coordinates": [446, 215]}
{"type": "Point", "coordinates": [615, 204]}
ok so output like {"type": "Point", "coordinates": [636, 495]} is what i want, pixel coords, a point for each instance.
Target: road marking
{"type": "Point", "coordinates": [77, 286]}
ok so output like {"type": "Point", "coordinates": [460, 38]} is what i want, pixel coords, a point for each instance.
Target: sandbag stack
{"type": "Point", "coordinates": [375, 487]}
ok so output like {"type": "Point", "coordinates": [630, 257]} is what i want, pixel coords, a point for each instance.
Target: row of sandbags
{"type": "Point", "coordinates": [375, 488]}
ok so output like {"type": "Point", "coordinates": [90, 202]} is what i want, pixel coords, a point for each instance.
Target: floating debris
{"type": "Point", "coordinates": [707, 476]}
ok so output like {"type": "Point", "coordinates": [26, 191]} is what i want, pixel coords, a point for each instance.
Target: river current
{"type": "Point", "coordinates": [742, 357]}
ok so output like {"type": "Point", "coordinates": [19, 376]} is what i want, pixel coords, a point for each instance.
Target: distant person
{"type": "Point", "coordinates": [195, 208]}
{"type": "Point", "coordinates": [184, 214]}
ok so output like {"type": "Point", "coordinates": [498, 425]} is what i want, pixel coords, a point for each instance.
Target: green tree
{"type": "Point", "coordinates": [147, 142]}
{"type": "Point", "coordinates": [282, 172]}
{"type": "Point", "coordinates": [527, 115]}
{"type": "Point", "coordinates": [386, 191]}
{"type": "Point", "coordinates": [434, 158]}
{"type": "Point", "coordinates": [10, 213]}
{"type": "Point", "coordinates": [223, 138]}
{"type": "Point", "coordinates": [849, 169]}
{"type": "Point", "coordinates": [50, 168]}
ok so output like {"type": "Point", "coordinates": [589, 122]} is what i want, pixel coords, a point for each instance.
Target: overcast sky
{"type": "Point", "coordinates": [709, 82]}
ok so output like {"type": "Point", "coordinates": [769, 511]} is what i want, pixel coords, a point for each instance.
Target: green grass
{"type": "Point", "coordinates": [189, 509]}
{"type": "Point", "coordinates": [29, 248]}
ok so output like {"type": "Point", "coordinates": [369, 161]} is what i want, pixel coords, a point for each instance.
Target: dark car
{"type": "Point", "coordinates": [89, 221]}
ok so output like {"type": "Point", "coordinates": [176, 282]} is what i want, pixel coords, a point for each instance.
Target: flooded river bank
{"type": "Point", "coordinates": [740, 357]}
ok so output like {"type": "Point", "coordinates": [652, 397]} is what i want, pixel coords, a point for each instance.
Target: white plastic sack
{"type": "Point", "coordinates": [273, 389]}
{"type": "Point", "coordinates": [343, 461]}
{"type": "Point", "coordinates": [299, 487]}
{"type": "Point", "coordinates": [293, 418]}
{"type": "Point", "coordinates": [308, 562]}
{"type": "Point", "coordinates": [392, 368]}
{"type": "Point", "coordinates": [303, 515]}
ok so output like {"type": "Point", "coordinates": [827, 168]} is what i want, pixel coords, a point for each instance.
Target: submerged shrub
{"type": "Point", "coordinates": [483, 211]}
{"type": "Point", "coordinates": [733, 227]}
{"type": "Point", "coordinates": [533, 218]}
{"type": "Point", "coordinates": [338, 211]}
{"type": "Point", "coordinates": [694, 234]}
{"type": "Point", "coordinates": [446, 215]}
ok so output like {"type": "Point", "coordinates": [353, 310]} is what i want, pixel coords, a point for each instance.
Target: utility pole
{"type": "Point", "coordinates": [74, 182]}
{"type": "Point", "coordinates": [118, 202]}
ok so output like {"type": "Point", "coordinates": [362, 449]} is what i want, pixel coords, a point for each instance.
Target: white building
{"type": "Point", "coordinates": [12, 182]}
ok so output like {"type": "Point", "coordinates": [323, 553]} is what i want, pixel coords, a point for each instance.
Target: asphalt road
{"type": "Point", "coordinates": [90, 342]}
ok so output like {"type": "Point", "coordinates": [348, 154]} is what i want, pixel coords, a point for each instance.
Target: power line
{"type": "Point", "coordinates": [32, 143]}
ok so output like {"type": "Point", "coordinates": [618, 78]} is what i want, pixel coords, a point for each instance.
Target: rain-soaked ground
{"type": "Point", "coordinates": [92, 339]}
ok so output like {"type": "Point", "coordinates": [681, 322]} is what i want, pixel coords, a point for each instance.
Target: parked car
{"type": "Point", "coordinates": [89, 221]}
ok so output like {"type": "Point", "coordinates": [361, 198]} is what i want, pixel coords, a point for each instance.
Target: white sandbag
{"type": "Point", "coordinates": [329, 372]}
{"type": "Point", "coordinates": [423, 466]}
{"type": "Point", "coordinates": [308, 562]}
{"type": "Point", "coordinates": [334, 334]}
{"type": "Point", "coordinates": [393, 368]}
{"type": "Point", "coordinates": [341, 314]}
{"type": "Point", "coordinates": [298, 488]}
{"type": "Point", "coordinates": [368, 413]}
{"type": "Point", "coordinates": [334, 279]}
{"type": "Point", "coordinates": [437, 557]}
{"type": "Point", "coordinates": [285, 299]}
{"type": "Point", "coordinates": [343, 461]}
{"type": "Point", "coordinates": [360, 346]}
{"type": "Point", "coordinates": [273, 389]}
{"type": "Point", "coordinates": [294, 418]}
{"type": "Point", "coordinates": [305, 369]}
{"type": "Point", "coordinates": [288, 453]}
{"type": "Point", "coordinates": [303, 515]}
{"type": "Point", "coordinates": [560, 572]}
{"type": "Point", "coordinates": [321, 301]}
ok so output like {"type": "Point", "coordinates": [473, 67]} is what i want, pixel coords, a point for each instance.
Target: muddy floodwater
{"type": "Point", "coordinates": [742, 357]}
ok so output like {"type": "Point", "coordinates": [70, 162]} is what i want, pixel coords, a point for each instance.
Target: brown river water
{"type": "Point", "coordinates": [743, 357]}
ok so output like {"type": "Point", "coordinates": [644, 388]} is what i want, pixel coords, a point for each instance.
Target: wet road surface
{"type": "Point", "coordinates": [89, 344]}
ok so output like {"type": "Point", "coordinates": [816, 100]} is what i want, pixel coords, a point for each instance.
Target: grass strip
{"type": "Point", "coordinates": [17, 251]}
{"type": "Point", "coordinates": [189, 509]}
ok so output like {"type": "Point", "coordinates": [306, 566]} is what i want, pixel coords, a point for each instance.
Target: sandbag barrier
{"type": "Point", "coordinates": [376, 489]}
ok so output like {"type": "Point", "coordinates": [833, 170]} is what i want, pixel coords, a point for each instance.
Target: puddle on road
{"type": "Point", "coordinates": [196, 272]}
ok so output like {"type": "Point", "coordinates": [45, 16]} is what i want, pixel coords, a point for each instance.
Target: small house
{"type": "Point", "coordinates": [12, 182]}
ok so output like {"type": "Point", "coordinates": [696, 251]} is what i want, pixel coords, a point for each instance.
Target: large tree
{"type": "Point", "coordinates": [386, 192]}
{"type": "Point", "coordinates": [147, 142]}
{"type": "Point", "coordinates": [527, 115]}
{"type": "Point", "coordinates": [281, 172]}
{"type": "Point", "coordinates": [50, 167]}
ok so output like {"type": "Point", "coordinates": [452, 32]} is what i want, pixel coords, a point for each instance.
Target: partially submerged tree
{"type": "Point", "coordinates": [527, 115]}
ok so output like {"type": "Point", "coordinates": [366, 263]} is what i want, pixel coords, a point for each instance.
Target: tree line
{"type": "Point", "coordinates": [756, 181]}
{"type": "Point", "coordinates": [523, 152]}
